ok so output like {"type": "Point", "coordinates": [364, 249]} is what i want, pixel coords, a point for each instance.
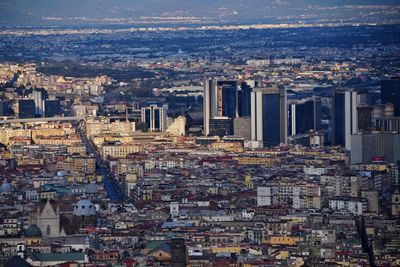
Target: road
{"type": "Point", "coordinates": [109, 183]}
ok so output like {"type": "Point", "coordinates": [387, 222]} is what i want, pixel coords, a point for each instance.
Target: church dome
{"type": "Point", "coordinates": [84, 207]}
{"type": "Point", "coordinates": [5, 187]}
{"type": "Point", "coordinates": [92, 189]}
{"type": "Point", "coordinates": [33, 231]}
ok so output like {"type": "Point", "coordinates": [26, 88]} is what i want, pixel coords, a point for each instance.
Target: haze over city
{"type": "Point", "coordinates": [89, 12]}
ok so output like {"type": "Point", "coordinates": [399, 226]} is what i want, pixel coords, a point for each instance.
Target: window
{"type": "Point", "coordinates": [48, 230]}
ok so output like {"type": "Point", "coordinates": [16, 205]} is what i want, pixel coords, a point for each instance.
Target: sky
{"type": "Point", "coordinates": [64, 12]}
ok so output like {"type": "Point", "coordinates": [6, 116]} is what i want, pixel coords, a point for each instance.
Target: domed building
{"type": "Point", "coordinates": [84, 213]}
{"type": "Point", "coordinates": [84, 207]}
{"type": "Point", "coordinates": [5, 187]}
{"type": "Point", "coordinates": [33, 235]}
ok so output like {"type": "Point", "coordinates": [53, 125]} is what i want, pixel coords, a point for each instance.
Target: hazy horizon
{"type": "Point", "coordinates": [74, 12]}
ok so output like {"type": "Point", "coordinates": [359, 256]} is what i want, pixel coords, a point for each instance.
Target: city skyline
{"type": "Point", "coordinates": [199, 133]}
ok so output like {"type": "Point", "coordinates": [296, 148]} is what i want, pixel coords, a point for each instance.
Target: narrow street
{"type": "Point", "coordinates": [109, 184]}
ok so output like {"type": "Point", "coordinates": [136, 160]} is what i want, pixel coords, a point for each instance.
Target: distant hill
{"type": "Point", "coordinates": [85, 12]}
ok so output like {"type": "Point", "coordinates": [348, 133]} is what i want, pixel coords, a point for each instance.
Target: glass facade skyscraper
{"type": "Point", "coordinates": [26, 108]}
{"type": "Point", "coordinates": [244, 98]}
{"type": "Point", "coordinates": [304, 115]}
{"type": "Point", "coordinates": [225, 100]}
{"type": "Point", "coordinates": [344, 119]}
{"type": "Point", "coordinates": [269, 116]}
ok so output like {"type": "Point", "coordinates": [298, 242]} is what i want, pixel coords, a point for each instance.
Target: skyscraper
{"type": "Point", "coordinates": [244, 98]}
{"type": "Point", "coordinates": [344, 116]}
{"type": "Point", "coordinates": [52, 108]}
{"type": "Point", "coordinates": [390, 93]}
{"type": "Point", "coordinates": [26, 108]}
{"type": "Point", "coordinates": [368, 147]}
{"type": "Point", "coordinates": [38, 97]}
{"type": "Point", "coordinates": [364, 117]}
{"type": "Point", "coordinates": [269, 116]}
{"type": "Point", "coordinates": [304, 115]}
{"type": "Point", "coordinates": [155, 118]}
{"type": "Point", "coordinates": [226, 100]}
{"type": "Point", "coordinates": [220, 101]}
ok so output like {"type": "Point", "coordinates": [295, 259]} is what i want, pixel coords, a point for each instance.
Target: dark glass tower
{"type": "Point", "coordinates": [390, 93]}
{"type": "Point", "coordinates": [223, 102]}
{"type": "Point", "coordinates": [304, 115]}
{"type": "Point", "coordinates": [344, 119]}
{"type": "Point", "coordinates": [271, 119]}
{"type": "Point", "coordinates": [26, 108]}
{"type": "Point", "coordinates": [226, 99]}
{"type": "Point", "coordinates": [220, 100]}
{"type": "Point", "coordinates": [244, 99]}
{"type": "Point", "coordinates": [52, 108]}
{"type": "Point", "coordinates": [269, 116]}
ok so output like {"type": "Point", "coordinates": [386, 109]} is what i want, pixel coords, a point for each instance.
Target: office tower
{"type": "Point", "coordinates": [344, 117]}
{"type": "Point", "coordinates": [179, 256]}
{"type": "Point", "coordinates": [154, 118]}
{"type": "Point", "coordinates": [221, 126]}
{"type": "Point", "coordinates": [269, 116]}
{"type": "Point", "coordinates": [5, 108]}
{"type": "Point", "coordinates": [375, 146]}
{"type": "Point", "coordinates": [244, 98]}
{"type": "Point", "coordinates": [38, 97]}
{"type": "Point", "coordinates": [390, 93]}
{"type": "Point", "coordinates": [364, 117]}
{"type": "Point", "coordinates": [242, 127]}
{"type": "Point", "coordinates": [26, 108]}
{"type": "Point", "coordinates": [220, 101]}
{"type": "Point", "coordinates": [52, 108]}
{"type": "Point", "coordinates": [304, 115]}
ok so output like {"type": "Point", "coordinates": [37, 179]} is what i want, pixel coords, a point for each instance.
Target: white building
{"type": "Point", "coordinates": [314, 171]}
{"type": "Point", "coordinates": [263, 196]}
{"type": "Point", "coordinates": [355, 206]}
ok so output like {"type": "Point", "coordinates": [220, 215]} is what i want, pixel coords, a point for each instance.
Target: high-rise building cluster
{"type": "Point", "coordinates": [267, 117]}
{"type": "Point", "coordinates": [114, 150]}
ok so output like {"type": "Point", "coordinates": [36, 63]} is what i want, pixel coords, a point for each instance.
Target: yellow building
{"type": "Point", "coordinates": [228, 146]}
{"type": "Point", "coordinates": [248, 183]}
{"type": "Point", "coordinates": [77, 149]}
{"type": "Point", "coordinates": [230, 249]}
{"type": "Point", "coordinates": [59, 140]}
{"type": "Point", "coordinates": [269, 162]}
{"type": "Point", "coordinates": [120, 151]}
{"type": "Point", "coordinates": [7, 134]}
{"type": "Point", "coordinates": [46, 132]}
{"type": "Point", "coordinates": [84, 164]}
{"type": "Point", "coordinates": [283, 240]}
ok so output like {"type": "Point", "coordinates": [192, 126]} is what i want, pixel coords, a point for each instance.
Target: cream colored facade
{"type": "Point", "coordinates": [120, 151]}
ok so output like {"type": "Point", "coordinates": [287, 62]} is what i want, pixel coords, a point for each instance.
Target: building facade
{"type": "Point", "coordinates": [344, 117]}
{"type": "Point", "coordinates": [269, 116]}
